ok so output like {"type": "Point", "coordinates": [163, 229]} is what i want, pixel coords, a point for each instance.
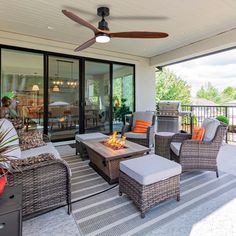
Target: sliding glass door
{"type": "Point", "coordinates": [123, 94]}
{"type": "Point", "coordinates": [63, 97]}
{"type": "Point", "coordinates": [97, 97]}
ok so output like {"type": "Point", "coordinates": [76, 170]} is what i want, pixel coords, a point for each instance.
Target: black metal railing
{"type": "Point", "coordinates": [197, 113]}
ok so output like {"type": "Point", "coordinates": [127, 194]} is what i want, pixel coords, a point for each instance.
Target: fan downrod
{"type": "Point", "coordinates": [103, 11]}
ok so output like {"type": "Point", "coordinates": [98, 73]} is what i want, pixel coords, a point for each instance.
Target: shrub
{"type": "Point", "coordinates": [223, 119]}
{"type": "Point", "coordinates": [186, 120]}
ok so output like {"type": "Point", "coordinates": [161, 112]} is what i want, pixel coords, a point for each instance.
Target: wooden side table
{"type": "Point", "coordinates": [11, 211]}
{"type": "Point", "coordinates": [162, 143]}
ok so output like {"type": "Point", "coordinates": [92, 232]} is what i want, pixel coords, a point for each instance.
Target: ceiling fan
{"type": "Point", "coordinates": [102, 33]}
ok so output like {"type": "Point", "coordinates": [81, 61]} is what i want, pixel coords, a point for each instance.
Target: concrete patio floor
{"type": "Point", "coordinates": [227, 159]}
{"type": "Point", "coordinates": [215, 219]}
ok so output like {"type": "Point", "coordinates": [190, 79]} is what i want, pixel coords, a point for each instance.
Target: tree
{"type": "Point", "coordinates": [210, 93]}
{"type": "Point", "coordinates": [123, 87]}
{"type": "Point", "coordinates": [228, 94]}
{"type": "Point", "coordinates": [171, 87]}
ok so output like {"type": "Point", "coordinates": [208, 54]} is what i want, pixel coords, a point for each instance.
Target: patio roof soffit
{"type": "Point", "coordinates": [219, 42]}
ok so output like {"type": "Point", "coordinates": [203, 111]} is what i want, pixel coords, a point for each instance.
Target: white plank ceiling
{"type": "Point", "coordinates": [186, 21]}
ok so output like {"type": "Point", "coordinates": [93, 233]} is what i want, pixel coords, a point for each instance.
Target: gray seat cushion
{"type": "Point", "coordinates": [83, 137]}
{"type": "Point", "coordinates": [210, 126]}
{"type": "Point", "coordinates": [150, 169]}
{"type": "Point", "coordinates": [135, 135]}
{"type": "Point", "coordinates": [175, 147]}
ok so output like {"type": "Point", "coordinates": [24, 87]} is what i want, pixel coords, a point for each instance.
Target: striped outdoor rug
{"type": "Point", "coordinates": [109, 214]}
{"type": "Point", "coordinates": [85, 181]}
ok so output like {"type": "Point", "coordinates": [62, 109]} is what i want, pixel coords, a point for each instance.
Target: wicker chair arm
{"type": "Point", "coordinates": [196, 142]}
{"type": "Point", "coordinates": [180, 137]}
{"type": "Point", "coordinates": [125, 128]}
{"type": "Point", "coordinates": [34, 162]}
{"type": "Point", "coordinates": [46, 138]}
{"type": "Point", "coordinates": [29, 161]}
{"type": "Point", "coordinates": [150, 135]}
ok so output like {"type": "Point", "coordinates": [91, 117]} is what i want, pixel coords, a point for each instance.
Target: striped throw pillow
{"type": "Point", "coordinates": [198, 133]}
{"type": "Point", "coordinates": [141, 126]}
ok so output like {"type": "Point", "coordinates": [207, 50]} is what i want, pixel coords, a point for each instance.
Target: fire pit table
{"type": "Point", "coordinates": [106, 161]}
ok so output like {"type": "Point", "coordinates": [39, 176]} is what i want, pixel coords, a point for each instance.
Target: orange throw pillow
{"type": "Point", "coordinates": [198, 133]}
{"type": "Point", "coordinates": [141, 126]}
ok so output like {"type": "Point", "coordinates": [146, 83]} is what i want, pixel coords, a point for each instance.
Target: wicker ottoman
{"type": "Point", "coordinates": [79, 138]}
{"type": "Point", "coordinates": [149, 180]}
{"type": "Point", "coordinates": [162, 143]}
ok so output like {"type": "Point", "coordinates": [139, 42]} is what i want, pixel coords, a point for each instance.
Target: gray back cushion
{"type": "Point", "coordinates": [142, 115]}
{"type": "Point", "coordinates": [210, 126]}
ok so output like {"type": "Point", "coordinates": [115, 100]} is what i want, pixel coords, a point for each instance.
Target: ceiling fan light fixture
{"type": "Point", "coordinates": [102, 33]}
{"type": "Point", "coordinates": [102, 38]}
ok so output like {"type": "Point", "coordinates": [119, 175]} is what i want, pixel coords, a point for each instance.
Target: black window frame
{"type": "Point", "coordinates": [82, 59]}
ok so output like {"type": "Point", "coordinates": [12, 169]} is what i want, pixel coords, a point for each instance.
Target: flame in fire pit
{"type": "Point", "coordinates": [114, 142]}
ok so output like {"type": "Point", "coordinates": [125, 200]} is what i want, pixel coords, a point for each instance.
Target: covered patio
{"type": "Point", "coordinates": [192, 30]}
{"type": "Point", "coordinates": [63, 93]}
{"type": "Point", "coordinates": [209, 212]}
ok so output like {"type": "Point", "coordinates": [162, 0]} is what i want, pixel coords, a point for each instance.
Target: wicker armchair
{"type": "Point", "coordinates": [145, 139]}
{"type": "Point", "coordinates": [194, 154]}
{"type": "Point", "coordinates": [45, 182]}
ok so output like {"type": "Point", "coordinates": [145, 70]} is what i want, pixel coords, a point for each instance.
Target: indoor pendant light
{"type": "Point", "coordinates": [56, 88]}
{"type": "Point", "coordinates": [35, 88]}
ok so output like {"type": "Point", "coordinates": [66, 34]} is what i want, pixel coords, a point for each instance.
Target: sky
{"type": "Point", "coordinates": [219, 69]}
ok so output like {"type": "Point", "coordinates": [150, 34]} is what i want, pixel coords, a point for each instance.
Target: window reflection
{"type": "Point", "coordinates": [123, 94]}
{"type": "Point", "coordinates": [63, 108]}
{"type": "Point", "coordinates": [22, 88]}
{"type": "Point", "coordinates": [22, 83]}
{"type": "Point", "coordinates": [97, 97]}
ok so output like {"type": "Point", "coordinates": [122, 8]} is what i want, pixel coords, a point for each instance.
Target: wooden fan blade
{"type": "Point", "coordinates": [141, 18]}
{"type": "Point", "coordinates": [79, 20]}
{"type": "Point", "coordinates": [86, 45]}
{"type": "Point", "coordinates": [138, 34]}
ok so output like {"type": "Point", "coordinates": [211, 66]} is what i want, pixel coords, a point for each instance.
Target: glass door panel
{"type": "Point", "coordinates": [63, 96]}
{"type": "Point", "coordinates": [123, 94]}
{"type": "Point", "coordinates": [97, 97]}
{"type": "Point", "coordinates": [22, 87]}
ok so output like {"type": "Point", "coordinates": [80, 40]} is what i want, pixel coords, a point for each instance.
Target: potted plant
{"type": "Point", "coordinates": [3, 181]}
{"type": "Point", "coordinates": [5, 148]}
{"type": "Point", "coordinates": [223, 119]}
{"type": "Point", "coordinates": [121, 111]}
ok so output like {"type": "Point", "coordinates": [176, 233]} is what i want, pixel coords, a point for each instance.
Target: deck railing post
{"type": "Point", "coordinates": [191, 119]}
{"type": "Point", "coordinates": [226, 114]}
